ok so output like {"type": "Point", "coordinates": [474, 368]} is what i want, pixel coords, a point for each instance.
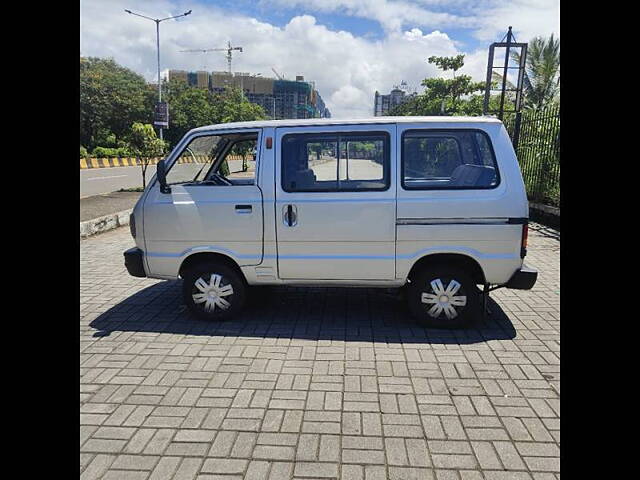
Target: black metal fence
{"type": "Point", "coordinates": [536, 138]}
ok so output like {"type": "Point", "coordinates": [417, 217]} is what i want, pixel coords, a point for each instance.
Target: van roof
{"type": "Point", "coordinates": [297, 122]}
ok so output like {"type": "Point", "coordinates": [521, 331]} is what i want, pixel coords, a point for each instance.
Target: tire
{"type": "Point", "coordinates": [443, 314]}
{"type": "Point", "coordinates": [213, 279]}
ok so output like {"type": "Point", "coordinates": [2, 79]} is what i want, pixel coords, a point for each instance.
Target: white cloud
{"type": "Point", "coordinates": [487, 19]}
{"type": "Point", "coordinates": [529, 18]}
{"type": "Point", "coordinates": [391, 14]}
{"type": "Point", "coordinates": [347, 69]}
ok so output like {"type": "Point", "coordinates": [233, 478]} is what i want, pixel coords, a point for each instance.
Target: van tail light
{"type": "Point", "coordinates": [525, 240]}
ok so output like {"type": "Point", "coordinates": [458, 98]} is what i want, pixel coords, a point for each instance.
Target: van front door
{"type": "Point", "coordinates": [336, 202]}
{"type": "Point", "coordinates": [215, 203]}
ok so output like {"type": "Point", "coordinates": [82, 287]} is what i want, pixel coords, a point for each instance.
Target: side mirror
{"type": "Point", "coordinates": [161, 173]}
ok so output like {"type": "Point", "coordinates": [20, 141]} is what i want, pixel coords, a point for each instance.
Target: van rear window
{"type": "Point", "coordinates": [335, 162]}
{"type": "Point", "coordinates": [448, 159]}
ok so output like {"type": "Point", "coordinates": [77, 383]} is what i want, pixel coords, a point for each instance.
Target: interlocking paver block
{"type": "Point", "coordinates": [410, 473]}
{"type": "Point", "coordinates": [271, 452]}
{"type": "Point", "coordinates": [165, 468]}
{"type": "Point", "coordinates": [224, 466]}
{"type": "Point", "coordinates": [316, 470]}
{"type": "Point", "coordinates": [98, 466]}
{"type": "Point", "coordinates": [314, 382]}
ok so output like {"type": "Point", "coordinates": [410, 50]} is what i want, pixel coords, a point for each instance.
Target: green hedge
{"type": "Point", "coordinates": [105, 152]}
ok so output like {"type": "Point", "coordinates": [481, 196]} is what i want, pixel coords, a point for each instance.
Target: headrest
{"type": "Point", "coordinates": [473, 176]}
{"type": "Point", "coordinates": [303, 179]}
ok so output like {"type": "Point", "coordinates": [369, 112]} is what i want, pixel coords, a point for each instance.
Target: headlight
{"type": "Point", "coordinates": [132, 225]}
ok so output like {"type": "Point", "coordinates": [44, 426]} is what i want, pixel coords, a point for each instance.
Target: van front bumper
{"type": "Point", "coordinates": [523, 279]}
{"type": "Point", "coordinates": [133, 260]}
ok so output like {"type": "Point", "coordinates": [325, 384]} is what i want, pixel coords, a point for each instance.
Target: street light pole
{"type": "Point", "coordinates": [158, 50]}
{"type": "Point", "coordinates": [157, 21]}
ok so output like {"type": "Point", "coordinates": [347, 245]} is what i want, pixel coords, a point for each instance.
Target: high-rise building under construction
{"type": "Point", "coordinates": [278, 97]}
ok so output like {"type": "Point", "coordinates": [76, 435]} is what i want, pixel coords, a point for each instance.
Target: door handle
{"type": "Point", "coordinates": [243, 208]}
{"type": "Point", "coordinates": [290, 215]}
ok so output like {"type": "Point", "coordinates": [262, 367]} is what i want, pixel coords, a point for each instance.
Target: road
{"type": "Point", "coordinates": [358, 170]}
{"type": "Point", "coordinates": [96, 181]}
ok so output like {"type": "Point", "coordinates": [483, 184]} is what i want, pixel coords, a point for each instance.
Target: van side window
{"type": "Point", "coordinates": [447, 159]}
{"type": "Point", "coordinates": [194, 161]}
{"type": "Point", "coordinates": [240, 160]}
{"type": "Point", "coordinates": [335, 162]}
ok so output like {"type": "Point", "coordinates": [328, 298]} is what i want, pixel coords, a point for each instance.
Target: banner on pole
{"type": "Point", "coordinates": [161, 115]}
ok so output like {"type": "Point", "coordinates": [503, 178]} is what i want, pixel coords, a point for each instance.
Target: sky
{"type": "Point", "coordinates": [349, 48]}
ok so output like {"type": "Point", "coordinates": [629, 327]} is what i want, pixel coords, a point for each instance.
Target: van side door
{"type": "Point", "coordinates": [215, 203]}
{"type": "Point", "coordinates": [335, 203]}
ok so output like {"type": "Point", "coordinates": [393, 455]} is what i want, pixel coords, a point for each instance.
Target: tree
{"type": "Point", "coordinates": [448, 63]}
{"type": "Point", "coordinates": [111, 99]}
{"type": "Point", "coordinates": [244, 149]}
{"type": "Point", "coordinates": [232, 106]}
{"type": "Point", "coordinates": [541, 82]}
{"type": "Point", "coordinates": [143, 142]}
{"type": "Point", "coordinates": [442, 96]}
{"type": "Point", "coordinates": [189, 108]}
{"type": "Point", "coordinates": [542, 75]}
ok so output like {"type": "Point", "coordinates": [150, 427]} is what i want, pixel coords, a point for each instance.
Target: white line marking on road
{"type": "Point", "coordinates": [104, 178]}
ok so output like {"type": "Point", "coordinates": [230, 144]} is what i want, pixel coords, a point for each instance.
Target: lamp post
{"type": "Point", "coordinates": [158, 20]}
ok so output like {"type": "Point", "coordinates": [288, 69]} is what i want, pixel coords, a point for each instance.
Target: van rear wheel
{"type": "Point", "coordinates": [213, 291]}
{"type": "Point", "coordinates": [443, 297]}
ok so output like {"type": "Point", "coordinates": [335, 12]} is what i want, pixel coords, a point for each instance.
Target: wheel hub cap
{"type": "Point", "coordinates": [444, 299]}
{"type": "Point", "coordinates": [212, 293]}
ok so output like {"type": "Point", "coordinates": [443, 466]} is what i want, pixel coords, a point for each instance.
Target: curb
{"type": "Point", "coordinates": [86, 163]}
{"type": "Point", "coordinates": [113, 162]}
{"type": "Point", "coordinates": [104, 223]}
{"type": "Point", "coordinates": [545, 214]}
{"type": "Point", "coordinates": [548, 209]}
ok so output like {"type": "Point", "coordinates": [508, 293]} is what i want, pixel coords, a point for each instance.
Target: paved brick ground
{"type": "Point", "coordinates": [314, 383]}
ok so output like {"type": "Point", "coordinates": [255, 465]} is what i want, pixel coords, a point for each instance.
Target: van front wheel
{"type": "Point", "coordinates": [443, 297]}
{"type": "Point", "coordinates": [213, 291]}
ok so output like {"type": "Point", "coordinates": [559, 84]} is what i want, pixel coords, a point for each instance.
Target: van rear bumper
{"type": "Point", "coordinates": [133, 260]}
{"type": "Point", "coordinates": [523, 279]}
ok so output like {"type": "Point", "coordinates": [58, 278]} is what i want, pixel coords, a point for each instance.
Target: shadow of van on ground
{"type": "Point", "coordinates": [349, 314]}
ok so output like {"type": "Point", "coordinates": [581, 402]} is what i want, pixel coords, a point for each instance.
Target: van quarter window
{"type": "Point", "coordinates": [335, 162]}
{"type": "Point", "coordinates": [448, 159]}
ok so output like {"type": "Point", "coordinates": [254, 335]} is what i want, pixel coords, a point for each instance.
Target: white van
{"type": "Point", "coordinates": [433, 204]}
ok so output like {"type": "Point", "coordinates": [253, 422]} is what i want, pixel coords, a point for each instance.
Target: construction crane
{"type": "Point", "coordinates": [280, 77]}
{"type": "Point", "coordinates": [229, 51]}
{"type": "Point", "coordinates": [198, 51]}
